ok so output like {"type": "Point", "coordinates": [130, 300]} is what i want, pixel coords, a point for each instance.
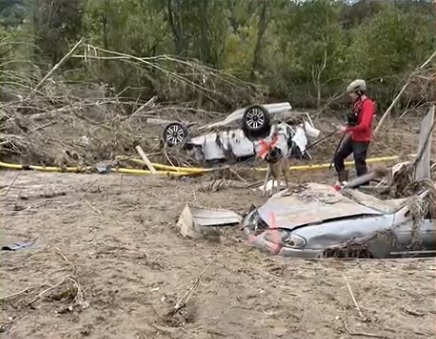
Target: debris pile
{"type": "Point", "coordinates": [66, 131]}
{"type": "Point", "coordinates": [53, 122]}
{"type": "Point", "coordinates": [402, 182]}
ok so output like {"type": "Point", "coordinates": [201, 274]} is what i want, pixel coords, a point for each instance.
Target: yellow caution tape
{"type": "Point", "coordinates": [166, 170]}
{"type": "Point", "coordinates": [87, 169]}
{"type": "Point", "coordinates": [264, 169]}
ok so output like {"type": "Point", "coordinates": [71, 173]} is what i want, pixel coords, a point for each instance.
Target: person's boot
{"type": "Point", "coordinates": [343, 176]}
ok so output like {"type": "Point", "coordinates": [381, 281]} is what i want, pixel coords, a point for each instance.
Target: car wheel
{"type": "Point", "coordinates": [256, 122]}
{"type": "Point", "coordinates": [175, 134]}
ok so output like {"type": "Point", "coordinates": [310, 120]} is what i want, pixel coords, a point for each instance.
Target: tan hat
{"type": "Point", "coordinates": [356, 85]}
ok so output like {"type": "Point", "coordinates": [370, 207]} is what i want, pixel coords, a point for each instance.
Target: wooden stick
{"type": "Point", "coordinates": [182, 301]}
{"type": "Point", "coordinates": [19, 293]}
{"type": "Point", "coordinates": [427, 141]}
{"type": "Point", "coordinates": [362, 334]}
{"type": "Point", "coordinates": [146, 160]}
{"type": "Point", "coordinates": [59, 64]}
{"type": "Point", "coordinates": [388, 111]}
{"type": "Point", "coordinates": [12, 183]}
{"type": "Point", "coordinates": [46, 290]}
{"type": "Point", "coordinates": [354, 298]}
{"type": "Point", "coordinates": [148, 103]}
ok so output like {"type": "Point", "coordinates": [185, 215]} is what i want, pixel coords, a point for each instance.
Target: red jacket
{"type": "Point", "coordinates": [365, 110]}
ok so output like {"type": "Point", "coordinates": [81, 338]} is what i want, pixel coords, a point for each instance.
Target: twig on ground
{"type": "Point", "coordinates": [157, 258]}
{"type": "Point", "coordinates": [72, 266]}
{"type": "Point", "coordinates": [12, 183]}
{"type": "Point", "coordinates": [121, 183]}
{"type": "Point", "coordinates": [411, 312]}
{"type": "Point", "coordinates": [354, 298]}
{"type": "Point", "coordinates": [46, 290]}
{"type": "Point", "coordinates": [87, 190]}
{"type": "Point", "coordinates": [63, 256]}
{"type": "Point", "coordinates": [92, 207]}
{"type": "Point", "coordinates": [79, 299]}
{"type": "Point", "coordinates": [13, 295]}
{"type": "Point", "coordinates": [183, 301]}
{"type": "Point", "coordinates": [362, 334]}
{"type": "Point", "coordinates": [238, 176]}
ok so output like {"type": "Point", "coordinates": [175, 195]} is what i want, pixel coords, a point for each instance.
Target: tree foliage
{"type": "Point", "coordinates": [302, 51]}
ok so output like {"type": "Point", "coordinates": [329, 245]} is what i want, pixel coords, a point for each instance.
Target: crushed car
{"type": "Point", "coordinates": [311, 223]}
{"type": "Point", "coordinates": [317, 221]}
{"type": "Point", "coordinates": [242, 133]}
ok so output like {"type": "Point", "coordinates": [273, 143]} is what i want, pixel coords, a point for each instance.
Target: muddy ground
{"type": "Point", "coordinates": [108, 262]}
{"type": "Point", "coordinates": [113, 238]}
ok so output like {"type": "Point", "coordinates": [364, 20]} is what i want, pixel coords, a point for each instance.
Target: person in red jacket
{"type": "Point", "coordinates": [358, 131]}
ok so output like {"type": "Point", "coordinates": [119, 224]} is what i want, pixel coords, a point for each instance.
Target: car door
{"type": "Point", "coordinates": [405, 237]}
{"type": "Point", "coordinates": [428, 230]}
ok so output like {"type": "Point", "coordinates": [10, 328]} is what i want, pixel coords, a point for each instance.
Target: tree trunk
{"type": "Point", "coordinates": [175, 20]}
{"type": "Point", "coordinates": [262, 25]}
{"type": "Point", "coordinates": [204, 44]}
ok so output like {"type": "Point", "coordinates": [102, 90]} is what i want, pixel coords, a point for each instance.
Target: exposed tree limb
{"type": "Point", "coordinates": [394, 102]}
{"type": "Point", "coordinates": [58, 65]}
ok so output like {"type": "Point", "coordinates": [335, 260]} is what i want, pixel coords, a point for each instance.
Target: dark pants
{"type": "Point", "coordinates": [359, 150]}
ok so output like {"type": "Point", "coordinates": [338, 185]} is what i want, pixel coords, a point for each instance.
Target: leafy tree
{"type": "Point", "coordinates": [301, 51]}
{"type": "Point", "coordinates": [55, 25]}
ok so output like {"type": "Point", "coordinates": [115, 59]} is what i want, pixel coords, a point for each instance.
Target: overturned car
{"type": "Point", "coordinates": [240, 135]}
{"type": "Point", "coordinates": [316, 220]}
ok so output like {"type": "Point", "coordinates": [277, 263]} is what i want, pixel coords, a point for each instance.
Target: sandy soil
{"type": "Point", "coordinates": [113, 239]}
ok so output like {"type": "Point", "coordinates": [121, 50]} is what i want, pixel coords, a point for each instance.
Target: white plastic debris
{"type": "Point", "coordinates": [269, 185]}
{"type": "Point", "coordinates": [195, 220]}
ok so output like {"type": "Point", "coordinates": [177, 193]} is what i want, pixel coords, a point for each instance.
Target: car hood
{"type": "Point", "coordinates": [310, 204]}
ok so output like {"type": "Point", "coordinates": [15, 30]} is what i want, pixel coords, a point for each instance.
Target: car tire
{"type": "Point", "coordinates": [256, 122]}
{"type": "Point", "coordinates": [175, 134]}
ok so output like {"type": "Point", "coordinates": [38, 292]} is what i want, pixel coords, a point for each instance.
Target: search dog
{"type": "Point", "coordinates": [278, 164]}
